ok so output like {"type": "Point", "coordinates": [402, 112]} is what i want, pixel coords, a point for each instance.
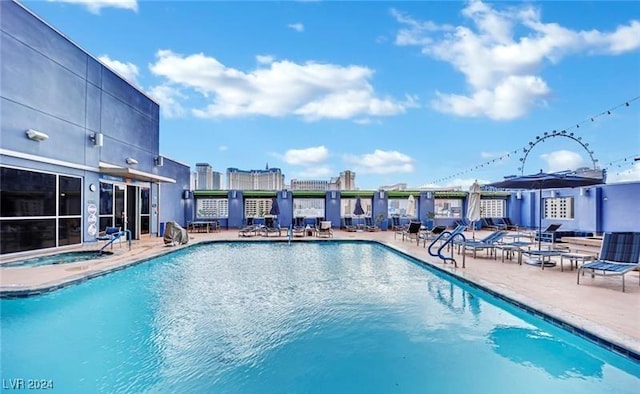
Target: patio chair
{"type": "Point", "coordinates": [347, 224]}
{"type": "Point", "coordinates": [110, 235]}
{"type": "Point", "coordinates": [619, 255]}
{"type": "Point", "coordinates": [412, 232]}
{"type": "Point", "coordinates": [324, 229]}
{"type": "Point", "coordinates": [494, 223]}
{"type": "Point", "coordinates": [487, 243]}
{"type": "Point", "coordinates": [270, 227]}
{"type": "Point", "coordinates": [395, 224]}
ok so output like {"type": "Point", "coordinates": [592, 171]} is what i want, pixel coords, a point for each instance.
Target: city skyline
{"type": "Point", "coordinates": [422, 93]}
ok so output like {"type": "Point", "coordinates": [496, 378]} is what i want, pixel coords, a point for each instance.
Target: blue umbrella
{"type": "Point", "coordinates": [275, 209]}
{"type": "Point", "coordinates": [547, 181]}
{"type": "Point", "coordinates": [358, 211]}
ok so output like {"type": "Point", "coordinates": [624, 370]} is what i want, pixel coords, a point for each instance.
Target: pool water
{"type": "Point", "coordinates": [59, 258]}
{"type": "Point", "coordinates": [301, 318]}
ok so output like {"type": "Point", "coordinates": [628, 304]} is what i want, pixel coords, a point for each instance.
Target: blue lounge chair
{"type": "Point", "coordinates": [619, 255]}
{"type": "Point", "coordinates": [249, 230]}
{"type": "Point", "coordinates": [347, 224]}
{"type": "Point", "coordinates": [487, 243]}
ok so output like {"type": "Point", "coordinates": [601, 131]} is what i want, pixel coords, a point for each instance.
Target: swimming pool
{"type": "Point", "coordinates": [59, 258]}
{"type": "Point", "coordinates": [306, 317]}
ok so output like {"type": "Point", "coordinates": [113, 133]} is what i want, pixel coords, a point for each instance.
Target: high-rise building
{"type": "Point", "coordinates": [205, 176]}
{"type": "Point", "coordinates": [299, 184]}
{"type": "Point", "coordinates": [193, 181]}
{"type": "Point", "coordinates": [216, 183]}
{"type": "Point", "coordinates": [397, 186]}
{"type": "Point", "coordinates": [268, 179]}
{"type": "Point", "coordinates": [347, 180]}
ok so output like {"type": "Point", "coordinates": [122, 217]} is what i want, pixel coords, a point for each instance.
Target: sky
{"type": "Point", "coordinates": [427, 93]}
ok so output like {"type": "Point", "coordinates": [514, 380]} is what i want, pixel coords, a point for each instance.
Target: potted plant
{"type": "Point", "coordinates": [430, 219]}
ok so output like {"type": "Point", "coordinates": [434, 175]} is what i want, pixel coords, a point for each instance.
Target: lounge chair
{"type": "Point", "coordinates": [494, 223]}
{"type": "Point", "coordinates": [270, 227]}
{"type": "Point", "coordinates": [298, 227]}
{"type": "Point", "coordinates": [620, 254]}
{"type": "Point", "coordinates": [548, 234]}
{"type": "Point", "coordinates": [369, 226]}
{"type": "Point", "coordinates": [462, 222]}
{"type": "Point", "coordinates": [249, 229]}
{"type": "Point", "coordinates": [347, 224]}
{"type": "Point", "coordinates": [487, 243]}
{"type": "Point", "coordinates": [324, 229]}
{"type": "Point", "coordinates": [395, 224]}
{"type": "Point", "coordinates": [412, 232]}
{"type": "Point", "coordinates": [509, 224]}
{"type": "Point", "coordinates": [430, 235]}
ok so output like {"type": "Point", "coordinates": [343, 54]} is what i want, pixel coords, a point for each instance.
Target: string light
{"type": "Point", "coordinates": [564, 133]}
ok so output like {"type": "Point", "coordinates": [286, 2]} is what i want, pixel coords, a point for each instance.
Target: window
{"type": "Point", "coordinates": [493, 208]}
{"type": "Point", "coordinates": [558, 208]}
{"type": "Point", "coordinates": [38, 210]}
{"type": "Point", "coordinates": [308, 207]}
{"type": "Point", "coordinates": [448, 208]}
{"type": "Point", "coordinates": [348, 205]}
{"type": "Point", "coordinates": [145, 217]}
{"type": "Point", "coordinates": [212, 208]}
{"type": "Point", "coordinates": [398, 207]}
{"type": "Point", "coordinates": [257, 207]}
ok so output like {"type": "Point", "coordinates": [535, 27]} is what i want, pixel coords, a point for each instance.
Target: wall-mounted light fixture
{"type": "Point", "coordinates": [381, 194]}
{"type": "Point", "coordinates": [519, 195]}
{"type": "Point", "coordinates": [334, 195]}
{"type": "Point", "coordinates": [429, 195]}
{"type": "Point", "coordinates": [234, 194]}
{"type": "Point", "coordinates": [131, 160]}
{"type": "Point", "coordinates": [97, 139]}
{"type": "Point", "coordinates": [158, 161]}
{"type": "Point", "coordinates": [186, 194]}
{"type": "Point", "coordinates": [553, 194]}
{"type": "Point", "coordinates": [284, 193]}
{"type": "Point", "coordinates": [36, 135]}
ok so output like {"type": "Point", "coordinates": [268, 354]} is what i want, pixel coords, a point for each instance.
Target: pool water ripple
{"type": "Point", "coordinates": [314, 317]}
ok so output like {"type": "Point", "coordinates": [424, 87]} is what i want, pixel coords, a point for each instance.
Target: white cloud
{"type": "Point", "coordinates": [310, 90]}
{"type": "Point", "coordinates": [629, 175]}
{"type": "Point", "coordinates": [265, 59]}
{"type": "Point", "coordinates": [562, 160]}
{"type": "Point", "coordinates": [128, 71]}
{"type": "Point", "coordinates": [299, 27]}
{"type": "Point", "coordinates": [94, 6]}
{"type": "Point", "coordinates": [381, 162]}
{"type": "Point", "coordinates": [501, 55]}
{"type": "Point", "coordinates": [223, 148]}
{"type": "Point", "coordinates": [307, 156]}
{"type": "Point", "coordinates": [168, 97]}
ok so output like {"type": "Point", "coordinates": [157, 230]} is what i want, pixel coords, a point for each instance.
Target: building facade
{"type": "Point", "coordinates": [216, 180]}
{"type": "Point", "coordinates": [205, 176]}
{"type": "Point", "coordinates": [268, 179]}
{"type": "Point", "coordinates": [80, 145]}
{"type": "Point", "coordinates": [300, 184]}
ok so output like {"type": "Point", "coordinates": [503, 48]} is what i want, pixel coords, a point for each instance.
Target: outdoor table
{"type": "Point", "coordinates": [575, 257]}
{"type": "Point", "coordinates": [199, 226]}
{"type": "Point", "coordinates": [545, 256]}
{"type": "Point", "coordinates": [509, 250]}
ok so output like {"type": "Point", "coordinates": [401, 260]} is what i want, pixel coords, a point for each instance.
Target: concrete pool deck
{"type": "Point", "coordinates": [597, 306]}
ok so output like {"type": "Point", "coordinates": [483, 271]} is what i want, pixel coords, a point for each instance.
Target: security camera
{"type": "Point", "coordinates": [131, 160]}
{"type": "Point", "coordinates": [36, 135]}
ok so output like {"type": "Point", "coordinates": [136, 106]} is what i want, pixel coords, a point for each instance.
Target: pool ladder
{"type": "Point", "coordinates": [448, 242]}
{"type": "Point", "coordinates": [290, 233]}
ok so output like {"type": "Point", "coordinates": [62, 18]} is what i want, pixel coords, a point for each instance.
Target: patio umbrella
{"type": "Point", "coordinates": [473, 207]}
{"type": "Point", "coordinates": [358, 211]}
{"type": "Point", "coordinates": [546, 181]}
{"type": "Point", "coordinates": [411, 206]}
{"type": "Point", "coordinates": [275, 208]}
